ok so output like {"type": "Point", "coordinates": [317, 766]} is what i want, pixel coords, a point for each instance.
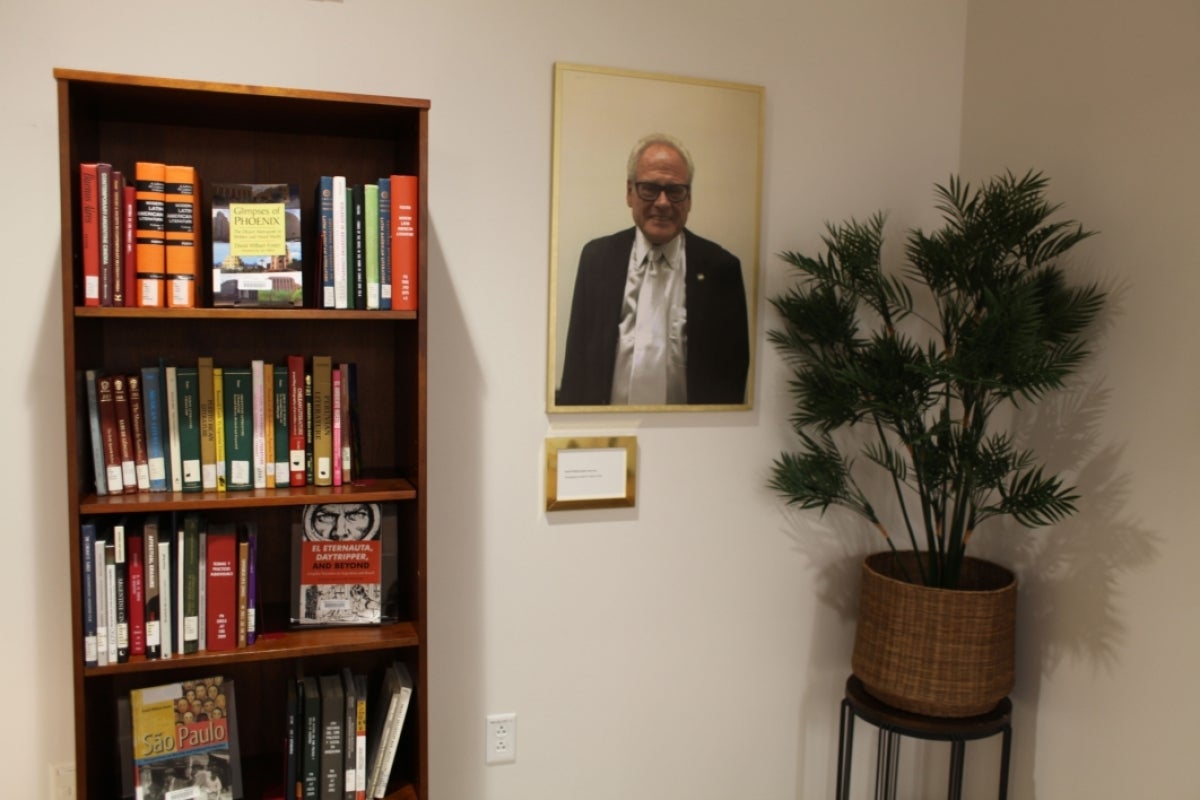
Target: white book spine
{"type": "Point", "coordinates": [340, 286]}
{"type": "Point", "coordinates": [259, 421]}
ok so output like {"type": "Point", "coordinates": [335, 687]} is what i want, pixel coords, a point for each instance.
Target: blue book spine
{"type": "Point", "coordinates": [94, 431]}
{"type": "Point", "coordinates": [325, 230]}
{"type": "Point", "coordinates": [385, 244]}
{"type": "Point", "coordinates": [152, 411]}
{"type": "Point", "coordinates": [88, 590]}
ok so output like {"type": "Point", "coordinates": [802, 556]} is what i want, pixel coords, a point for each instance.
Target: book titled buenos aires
{"type": "Point", "coordinates": [256, 240]}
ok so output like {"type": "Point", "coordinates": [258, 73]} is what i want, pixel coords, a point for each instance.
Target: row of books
{"type": "Point", "coordinates": [368, 243]}
{"type": "Point", "coordinates": [140, 236]}
{"type": "Point", "coordinates": [340, 745]}
{"type": "Point", "coordinates": [156, 591]}
{"type": "Point", "coordinates": [141, 240]}
{"type": "Point", "coordinates": [181, 739]}
{"type": "Point", "coordinates": [224, 428]}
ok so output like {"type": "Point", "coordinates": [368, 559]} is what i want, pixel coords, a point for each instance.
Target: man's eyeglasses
{"type": "Point", "coordinates": [676, 192]}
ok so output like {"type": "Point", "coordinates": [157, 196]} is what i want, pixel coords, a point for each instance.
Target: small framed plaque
{"type": "Point", "coordinates": [590, 472]}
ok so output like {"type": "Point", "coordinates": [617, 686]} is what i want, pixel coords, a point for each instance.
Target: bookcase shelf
{"type": "Point", "coordinates": [363, 491]}
{"type": "Point", "coordinates": [251, 134]}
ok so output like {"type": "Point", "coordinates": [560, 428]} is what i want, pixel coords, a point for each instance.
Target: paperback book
{"type": "Point", "coordinates": [343, 564]}
{"type": "Point", "coordinates": [184, 741]}
{"type": "Point", "coordinates": [256, 236]}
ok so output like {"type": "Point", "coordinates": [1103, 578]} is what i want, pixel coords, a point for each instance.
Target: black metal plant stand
{"type": "Point", "coordinates": [894, 723]}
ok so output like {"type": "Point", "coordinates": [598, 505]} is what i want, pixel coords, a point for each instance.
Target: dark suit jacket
{"type": "Point", "coordinates": [718, 347]}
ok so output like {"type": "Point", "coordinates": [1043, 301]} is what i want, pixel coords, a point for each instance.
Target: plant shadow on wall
{"type": "Point", "coordinates": [941, 398]}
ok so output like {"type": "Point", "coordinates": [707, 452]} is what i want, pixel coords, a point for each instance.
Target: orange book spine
{"type": "Point", "coordinates": [89, 241]}
{"type": "Point", "coordinates": [150, 180]}
{"type": "Point", "coordinates": [405, 241]}
{"type": "Point", "coordinates": [183, 268]}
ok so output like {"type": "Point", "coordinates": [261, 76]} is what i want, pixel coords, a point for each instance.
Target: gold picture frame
{"type": "Point", "coordinates": [599, 114]}
{"type": "Point", "coordinates": [591, 472]}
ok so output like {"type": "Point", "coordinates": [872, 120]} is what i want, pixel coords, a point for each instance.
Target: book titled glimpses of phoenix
{"type": "Point", "coordinates": [257, 258]}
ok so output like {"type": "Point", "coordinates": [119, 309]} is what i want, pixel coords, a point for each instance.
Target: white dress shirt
{"type": "Point", "coordinates": [631, 386]}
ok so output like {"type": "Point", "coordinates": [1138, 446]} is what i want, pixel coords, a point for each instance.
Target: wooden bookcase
{"type": "Point", "coordinates": [250, 134]}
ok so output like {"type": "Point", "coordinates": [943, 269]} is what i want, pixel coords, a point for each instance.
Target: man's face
{"type": "Point", "coordinates": [659, 219]}
{"type": "Point", "coordinates": [341, 523]}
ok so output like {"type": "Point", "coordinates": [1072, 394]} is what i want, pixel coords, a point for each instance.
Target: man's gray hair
{"type": "Point", "coordinates": [653, 139]}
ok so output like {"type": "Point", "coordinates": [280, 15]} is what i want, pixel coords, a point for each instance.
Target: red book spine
{"type": "Point", "coordinates": [137, 597]}
{"type": "Point", "coordinates": [137, 419]}
{"type": "Point", "coordinates": [129, 241]}
{"type": "Point", "coordinates": [104, 208]}
{"type": "Point", "coordinates": [335, 379]}
{"type": "Point", "coordinates": [221, 590]}
{"type": "Point", "coordinates": [117, 220]}
{"type": "Point", "coordinates": [89, 217]}
{"type": "Point", "coordinates": [405, 241]}
{"type": "Point", "coordinates": [297, 437]}
{"type": "Point", "coordinates": [108, 434]}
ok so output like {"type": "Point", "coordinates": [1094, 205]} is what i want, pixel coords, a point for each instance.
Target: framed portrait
{"type": "Point", "coordinates": [653, 170]}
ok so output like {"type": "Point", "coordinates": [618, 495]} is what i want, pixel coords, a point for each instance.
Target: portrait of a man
{"type": "Point", "coordinates": [657, 314]}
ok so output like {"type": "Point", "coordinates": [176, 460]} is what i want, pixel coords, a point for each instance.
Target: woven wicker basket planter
{"type": "Point", "coordinates": [938, 652]}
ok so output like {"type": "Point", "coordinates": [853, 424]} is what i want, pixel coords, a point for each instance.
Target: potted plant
{"type": "Point", "coordinates": [909, 371]}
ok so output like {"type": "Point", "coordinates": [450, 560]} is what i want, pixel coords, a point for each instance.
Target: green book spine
{"type": "Point", "coordinates": [191, 583]}
{"type": "Point", "coordinates": [238, 397]}
{"type": "Point", "coordinates": [371, 243]}
{"type": "Point", "coordinates": [280, 412]}
{"type": "Point", "coordinates": [188, 397]}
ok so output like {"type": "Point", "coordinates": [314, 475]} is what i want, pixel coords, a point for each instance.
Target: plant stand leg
{"type": "Point", "coordinates": [887, 764]}
{"type": "Point", "coordinates": [957, 752]}
{"type": "Point", "coordinates": [845, 751]}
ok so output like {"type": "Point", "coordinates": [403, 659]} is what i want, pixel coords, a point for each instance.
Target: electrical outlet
{"type": "Point", "coordinates": [62, 781]}
{"type": "Point", "coordinates": [501, 738]}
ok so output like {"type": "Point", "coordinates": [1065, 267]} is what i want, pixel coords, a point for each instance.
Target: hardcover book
{"type": "Point", "coordinates": [116, 219]}
{"type": "Point", "coordinates": [104, 210]}
{"type": "Point", "coordinates": [238, 394]}
{"type": "Point", "coordinates": [322, 423]}
{"type": "Point", "coordinates": [297, 421]}
{"type": "Point", "coordinates": [222, 577]}
{"type": "Point", "coordinates": [208, 423]}
{"type": "Point", "coordinates": [343, 563]}
{"type": "Point", "coordinates": [87, 538]}
{"type": "Point", "coordinates": [129, 241]}
{"type": "Point", "coordinates": [405, 196]}
{"type": "Point", "coordinates": [93, 404]}
{"type": "Point", "coordinates": [89, 242]}
{"type": "Point", "coordinates": [137, 419]}
{"type": "Point", "coordinates": [155, 428]}
{"type": "Point", "coordinates": [124, 417]}
{"type": "Point", "coordinates": [333, 723]}
{"type": "Point", "coordinates": [188, 397]}
{"type": "Point", "coordinates": [152, 613]}
{"type": "Point", "coordinates": [371, 243]}
{"type": "Point", "coordinates": [185, 741]}
{"type": "Point", "coordinates": [385, 244]}
{"type": "Point", "coordinates": [151, 182]}
{"type": "Point", "coordinates": [108, 434]}
{"type": "Point", "coordinates": [181, 229]}
{"type": "Point", "coordinates": [257, 254]}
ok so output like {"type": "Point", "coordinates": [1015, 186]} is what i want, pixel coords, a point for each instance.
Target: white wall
{"type": "Point", "coordinates": [1104, 97]}
{"type": "Point", "coordinates": [694, 647]}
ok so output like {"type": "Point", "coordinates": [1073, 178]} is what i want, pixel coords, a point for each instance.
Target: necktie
{"type": "Point", "coordinates": [648, 381]}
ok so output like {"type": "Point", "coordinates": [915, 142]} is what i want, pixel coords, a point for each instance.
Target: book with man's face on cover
{"type": "Point", "coordinates": [344, 564]}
